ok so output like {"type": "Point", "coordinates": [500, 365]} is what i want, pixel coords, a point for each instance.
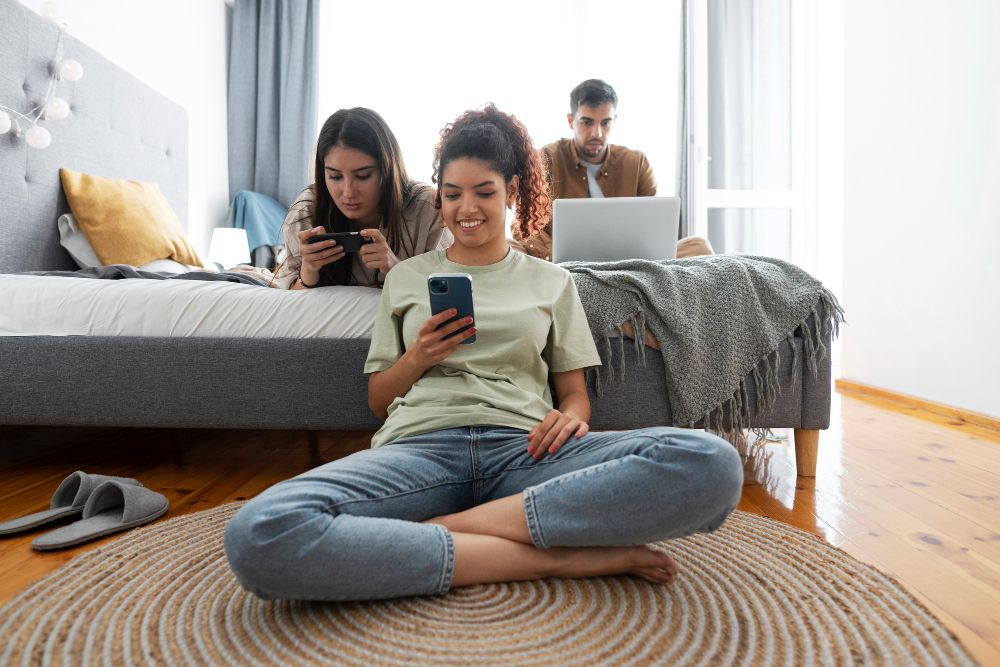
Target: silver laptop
{"type": "Point", "coordinates": [616, 228]}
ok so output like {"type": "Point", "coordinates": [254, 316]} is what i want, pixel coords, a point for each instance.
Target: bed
{"type": "Point", "coordinates": [221, 376]}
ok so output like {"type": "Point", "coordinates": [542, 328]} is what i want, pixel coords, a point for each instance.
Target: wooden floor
{"type": "Point", "coordinates": [918, 499]}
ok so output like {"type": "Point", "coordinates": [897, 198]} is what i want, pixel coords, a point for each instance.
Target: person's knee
{"type": "Point", "coordinates": [727, 462]}
{"type": "Point", "coordinates": [713, 472]}
{"type": "Point", "coordinates": [723, 478]}
{"type": "Point", "coordinates": [247, 554]}
{"type": "Point", "coordinates": [707, 451]}
{"type": "Point", "coordinates": [260, 541]}
{"type": "Point", "coordinates": [694, 246]}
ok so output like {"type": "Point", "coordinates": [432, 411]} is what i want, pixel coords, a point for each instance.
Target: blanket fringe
{"type": "Point", "coordinates": [733, 414]}
{"type": "Point", "coordinates": [638, 323]}
{"type": "Point", "coordinates": [823, 320]}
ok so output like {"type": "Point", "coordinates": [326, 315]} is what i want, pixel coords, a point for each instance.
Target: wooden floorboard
{"type": "Point", "coordinates": [919, 499]}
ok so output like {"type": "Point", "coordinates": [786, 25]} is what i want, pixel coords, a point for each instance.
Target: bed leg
{"type": "Point", "coordinates": [314, 459]}
{"type": "Point", "coordinates": [806, 449]}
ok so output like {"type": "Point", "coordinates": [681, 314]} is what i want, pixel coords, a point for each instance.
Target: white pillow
{"type": "Point", "coordinates": [168, 266]}
{"type": "Point", "coordinates": [75, 241]}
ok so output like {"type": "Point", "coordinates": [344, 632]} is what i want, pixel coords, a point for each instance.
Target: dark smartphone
{"type": "Point", "coordinates": [452, 290]}
{"type": "Point", "coordinates": [351, 241]}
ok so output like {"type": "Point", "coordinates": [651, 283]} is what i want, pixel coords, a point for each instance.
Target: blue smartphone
{"type": "Point", "coordinates": [452, 290]}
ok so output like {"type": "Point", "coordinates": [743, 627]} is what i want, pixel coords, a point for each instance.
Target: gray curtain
{"type": "Point", "coordinates": [273, 93]}
{"type": "Point", "coordinates": [683, 128]}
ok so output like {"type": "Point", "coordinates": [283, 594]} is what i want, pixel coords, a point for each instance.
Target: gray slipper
{"type": "Point", "coordinates": [68, 500]}
{"type": "Point", "coordinates": [113, 506]}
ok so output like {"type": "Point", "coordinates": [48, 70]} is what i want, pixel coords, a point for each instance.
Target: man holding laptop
{"type": "Point", "coordinates": [587, 166]}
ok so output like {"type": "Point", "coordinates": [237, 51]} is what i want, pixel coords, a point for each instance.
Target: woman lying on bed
{"type": "Point", "coordinates": [479, 474]}
{"type": "Point", "coordinates": [361, 186]}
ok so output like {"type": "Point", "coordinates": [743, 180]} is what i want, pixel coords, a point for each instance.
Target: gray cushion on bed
{"type": "Point", "coordinates": [118, 127]}
{"type": "Point", "coordinates": [642, 399]}
{"type": "Point", "coordinates": [201, 382]}
{"type": "Point", "coordinates": [285, 383]}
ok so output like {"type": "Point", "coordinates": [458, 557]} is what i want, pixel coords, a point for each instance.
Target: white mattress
{"type": "Point", "coordinates": [57, 306]}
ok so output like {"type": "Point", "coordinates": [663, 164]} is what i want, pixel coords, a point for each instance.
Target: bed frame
{"type": "Point", "coordinates": [120, 127]}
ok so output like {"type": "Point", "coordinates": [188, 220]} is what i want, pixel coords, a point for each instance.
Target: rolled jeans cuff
{"type": "Point", "coordinates": [444, 585]}
{"type": "Point", "coordinates": [534, 528]}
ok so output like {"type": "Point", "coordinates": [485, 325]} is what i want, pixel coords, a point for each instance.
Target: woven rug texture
{"type": "Point", "coordinates": [756, 592]}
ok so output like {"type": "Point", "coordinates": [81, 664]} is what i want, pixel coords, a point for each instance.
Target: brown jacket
{"type": "Point", "coordinates": [626, 173]}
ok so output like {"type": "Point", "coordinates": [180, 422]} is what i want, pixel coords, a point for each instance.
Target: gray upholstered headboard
{"type": "Point", "coordinates": [118, 126]}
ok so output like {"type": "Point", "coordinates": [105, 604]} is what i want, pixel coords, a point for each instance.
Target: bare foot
{"type": "Point", "coordinates": [493, 543]}
{"type": "Point", "coordinates": [644, 561]}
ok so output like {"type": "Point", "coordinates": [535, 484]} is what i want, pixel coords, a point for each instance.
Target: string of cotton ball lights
{"type": "Point", "coordinates": [52, 107]}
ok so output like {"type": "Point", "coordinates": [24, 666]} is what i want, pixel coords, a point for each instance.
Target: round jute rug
{"type": "Point", "coordinates": [756, 592]}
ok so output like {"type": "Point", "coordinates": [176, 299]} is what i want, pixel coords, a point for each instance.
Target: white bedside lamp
{"type": "Point", "coordinates": [229, 247]}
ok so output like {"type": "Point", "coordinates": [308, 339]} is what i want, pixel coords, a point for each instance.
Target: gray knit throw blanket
{"type": "Point", "coordinates": [716, 319]}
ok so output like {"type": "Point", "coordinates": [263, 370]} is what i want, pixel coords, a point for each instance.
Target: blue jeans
{"type": "Point", "coordinates": [350, 529]}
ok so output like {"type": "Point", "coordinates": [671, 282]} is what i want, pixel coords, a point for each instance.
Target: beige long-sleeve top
{"type": "Point", "coordinates": [422, 228]}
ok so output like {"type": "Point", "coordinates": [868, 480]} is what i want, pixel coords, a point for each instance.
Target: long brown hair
{"type": "Point", "coordinates": [501, 141]}
{"type": "Point", "coordinates": [363, 130]}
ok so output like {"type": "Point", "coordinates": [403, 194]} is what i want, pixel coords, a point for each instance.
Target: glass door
{"type": "Point", "coordinates": [752, 145]}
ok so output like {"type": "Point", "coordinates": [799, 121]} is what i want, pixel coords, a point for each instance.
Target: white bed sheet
{"type": "Point", "coordinates": [58, 306]}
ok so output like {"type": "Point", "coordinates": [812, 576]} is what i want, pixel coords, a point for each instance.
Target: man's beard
{"type": "Point", "coordinates": [591, 152]}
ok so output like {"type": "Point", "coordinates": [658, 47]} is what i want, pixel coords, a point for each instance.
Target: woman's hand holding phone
{"type": "Point", "coordinates": [430, 348]}
{"type": "Point", "coordinates": [377, 254]}
{"type": "Point", "coordinates": [316, 255]}
{"type": "Point", "coordinates": [555, 429]}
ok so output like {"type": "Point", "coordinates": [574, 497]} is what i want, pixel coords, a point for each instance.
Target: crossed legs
{"type": "Point", "coordinates": [470, 505]}
{"type": "Point", "coordinates": [492, 544]}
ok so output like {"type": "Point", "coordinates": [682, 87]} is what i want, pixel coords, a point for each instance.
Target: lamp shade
{"type": "Point", "coordinates": [229, 247]}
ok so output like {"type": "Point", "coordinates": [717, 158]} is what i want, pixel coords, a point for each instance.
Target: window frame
{"type": "Point", "coordinates": [801, 198]}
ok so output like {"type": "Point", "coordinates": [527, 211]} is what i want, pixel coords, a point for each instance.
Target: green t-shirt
{"type": "Point", "coordinates": [529, 323]}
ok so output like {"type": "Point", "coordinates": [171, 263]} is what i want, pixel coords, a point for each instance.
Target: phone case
{"type": "Point", "coordinates": [452, 290]}
{"type": "Point", "coordinates": [351, 241]}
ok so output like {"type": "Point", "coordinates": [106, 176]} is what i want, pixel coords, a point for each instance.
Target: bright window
{"type": "Point", "coordinates": [420, 65]}
{"type": "Point", "coordinates": [754, 149]}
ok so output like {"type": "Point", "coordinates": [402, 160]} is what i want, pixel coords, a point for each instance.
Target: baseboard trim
{"type": "Point", "coordinates": [942, 409]}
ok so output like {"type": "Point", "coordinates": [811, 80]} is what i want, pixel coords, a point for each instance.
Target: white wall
{"type": "Point", "coordinates": [179, 49]}
{"type": "Point", "coordinates": [922, 199]}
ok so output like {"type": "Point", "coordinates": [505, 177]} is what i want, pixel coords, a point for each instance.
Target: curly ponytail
{"type": "Point", "coordinates": [501, 141]}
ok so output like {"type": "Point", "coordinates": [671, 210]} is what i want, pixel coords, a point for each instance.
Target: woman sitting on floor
{"type": "Point", "coordinates": [361, 186]}
{"type": "Point", "coordinates": [479, 474]}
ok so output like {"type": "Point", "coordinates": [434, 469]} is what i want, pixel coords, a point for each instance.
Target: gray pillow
{"type": "Point", "coordinates": [75, 241]}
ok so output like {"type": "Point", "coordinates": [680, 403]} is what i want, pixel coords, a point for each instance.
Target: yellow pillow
{"type": "Point", "coordinates": [126, 222]}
